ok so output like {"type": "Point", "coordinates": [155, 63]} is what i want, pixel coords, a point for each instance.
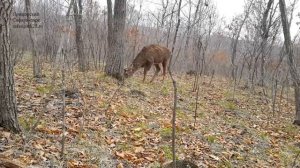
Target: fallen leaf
{"type": "Point", "coordinates": [120, 165]}
{"type": "Point", "coordinates": [139, 149]}
{"type": "Point", "coordinates": [214, 157]}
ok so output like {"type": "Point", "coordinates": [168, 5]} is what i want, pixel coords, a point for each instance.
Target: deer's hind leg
{"type": "Point", "coordinates": [164, 65]}
{"type": "Point", "coordinates": [157, 69]}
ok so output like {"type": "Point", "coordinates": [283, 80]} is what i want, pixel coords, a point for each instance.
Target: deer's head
{"type": "Point", "coordinates": [128, 72]}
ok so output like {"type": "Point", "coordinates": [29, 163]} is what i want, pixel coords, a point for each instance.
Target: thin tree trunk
{"type": "Point", "coordinates": [175, 88]}
{"type": "Point", "coordinates": [170, 24]}
{"type": "Point", "coordinates": [8, 107]}
{"type": "Point", "coordinates": [291, 62]}
{"type": "Point", "coordinates": [77, 7]}
{"type": "Point", "coordinates": [37, 70]}
{"type": "Point", "coordinates": [265, 36]}
{"type": "Point", "coordinates": [62, 41]}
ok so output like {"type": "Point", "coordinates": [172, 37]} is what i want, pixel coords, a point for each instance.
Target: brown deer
{"type": "Point", "coordinates": [148, 56]}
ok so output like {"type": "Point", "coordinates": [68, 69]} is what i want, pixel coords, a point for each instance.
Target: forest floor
{"type": "Point", "coordinates": [130, 126]}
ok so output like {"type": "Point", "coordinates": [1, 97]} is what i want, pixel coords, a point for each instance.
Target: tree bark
{"type": "Point", "coordinates": [82, 61]}
{"type": "Point", "coordinates": [8, 108]}
{"type": "Point", "coordinates": [116, 25]}
{"type": "Point", "coordinates": [297, 102]}
{"type": "Point", "coordinates": [37, 69]}
{"type": "Point", "coordinates": [291, 62]}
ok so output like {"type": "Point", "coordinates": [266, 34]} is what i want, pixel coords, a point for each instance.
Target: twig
{"type": "Point", "coordinates": [196, 108]}
{"type": "Point", "coordinates": [114, 94]}
{"type": "Point", "coordinates": [63, 111]}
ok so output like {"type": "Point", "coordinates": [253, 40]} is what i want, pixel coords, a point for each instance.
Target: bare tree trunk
{"type": "Point", "coordinates": [188, 35]}
{"type": "Point", "coordinates": [175, 89]}
{"type": "Point", "coordinates": [265, 36]}
{"type": "Point", "coordinates": [82, 61]}
{"type": "Point", "coordinates": [116, 25]}
{"type": "Point", "coordinates": [291, 62]}
{"type": "Point", "coordinates": [8, 107]}
{"type": "Point", "coordinates": [63, 139]}
{"type": "Point", "coordinates": [37, 70]}
{"type": "Point", "coordinates": [62, 42]}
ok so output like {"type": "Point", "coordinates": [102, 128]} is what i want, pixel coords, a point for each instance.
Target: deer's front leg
{"type": "Point", "coordinates": [146, 69]}
{"type": "Point", "coordinates": [156, 72]}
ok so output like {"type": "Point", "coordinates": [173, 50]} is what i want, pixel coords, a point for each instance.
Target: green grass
{"type": "Point", "coordinates": [291, 130]}
{"type": "Point", "coordinates": [102, 104]}
{"type": "Point", "coordinates": [123, 146]}
{"type": "Point", "coordinates": [225, 164]}
{"type": "Point", "coordinates": [44, 89]}
{"type": "Point", "coordinates": [142, 125]}
{"type": "Point", "coordinates": [211, 138]}
{"type": "Point", "coordinates": [181, 114]}
{"type": "Point", "coordinates": [263, 136]}
{"type": "Point", "coordinates": [100, 75]}
{"type": "Point", "coordinates": [165, 91]}
{"type": "Point", "coordinates": [228, 105]}
{"type": "Point", "coordinates": [167, 151]}
{"type": "Point", "coordinates": [166, 133]}
{"type": "Point", "coordinates": [27, 122]}
{"type": "Point", "coordinates": [130, 111]}
{"type": "Point", "coordinates": [285, 158]}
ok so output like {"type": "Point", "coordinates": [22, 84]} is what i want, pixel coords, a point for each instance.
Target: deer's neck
{"type": "Point", "coordinates": [138, 62]}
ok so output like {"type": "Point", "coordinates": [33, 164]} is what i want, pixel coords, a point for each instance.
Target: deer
{"type": "Point", "coordinates": [150, 55]}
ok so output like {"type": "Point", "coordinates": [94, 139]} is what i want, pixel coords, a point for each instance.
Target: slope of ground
{"type": "Point", "coordinates": [109, 125]}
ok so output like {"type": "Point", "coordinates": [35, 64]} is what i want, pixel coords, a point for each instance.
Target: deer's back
{"type": "Point", "coordinates": [154, 52]}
